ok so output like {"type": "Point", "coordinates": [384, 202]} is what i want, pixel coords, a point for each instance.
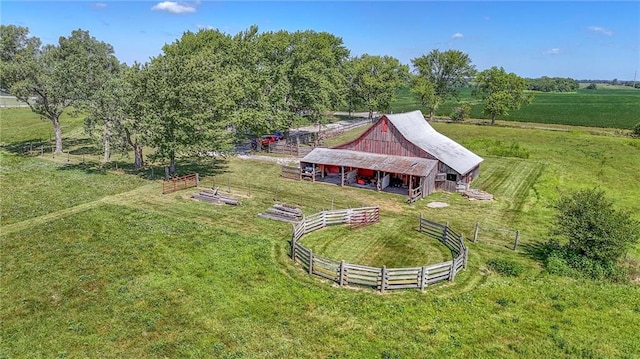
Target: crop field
{"type": "Point", "coordinates": [116, 269]}
{"type": "Point", "coordinates": [606, 107]}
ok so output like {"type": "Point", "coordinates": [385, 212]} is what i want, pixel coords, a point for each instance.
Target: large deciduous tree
{"type": "Point", "coordinates": [191, 93]}
{"type": "Point", "coordinates": [439, 75]}
{"type": "Point", "coordinates": [501, 91]}
{"type": "Point", "coordinates": [53, 78]}
{"type": "Point", "coordinates": [373, 80]}
{"type": "Point", "coordinates": [115, 113]}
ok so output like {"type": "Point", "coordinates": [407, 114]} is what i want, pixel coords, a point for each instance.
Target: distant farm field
{"type": "Point", "coordinates": [606, 107]}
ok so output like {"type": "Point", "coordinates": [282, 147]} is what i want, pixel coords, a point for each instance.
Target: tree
{"type": "Point", "coordinates": [373, 80]}
{"type": "Point", "coordinates": [501, 92]}
{"type": "Point", "coordinates": [190, 94]}
{"type": "Point", "coordinates": [115, 114]}
{"type": "Point", "coordinates": [53, 78]}
{"type": "Point", "coordinates": [443, 73]}
{"type": "Point", "coordinates": [593, 228]}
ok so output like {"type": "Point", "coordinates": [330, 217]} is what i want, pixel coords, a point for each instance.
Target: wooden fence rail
{"type": "Point", "coordinates": [380, 278]}
{"type": "Point", "coordinates": [179, 183]}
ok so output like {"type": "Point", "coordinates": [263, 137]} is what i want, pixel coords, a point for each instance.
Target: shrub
{"type": "Point", "coordinates": [461, 112]}
{"type": "Point", "coordinates": [591, 86]}
{"type": "Point", "coordinates": [505, 267]}
{"type": "Point", "coordinates": [635, 132]}
{"type": "Point", "coordinates": [593, 228]}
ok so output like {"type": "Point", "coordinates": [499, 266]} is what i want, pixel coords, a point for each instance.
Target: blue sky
{"type": "Point", "coordinates": [578, 39]}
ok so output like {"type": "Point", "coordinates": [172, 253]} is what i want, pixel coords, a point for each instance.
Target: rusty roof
{"type": "Point", "coordinates": [395, 164]}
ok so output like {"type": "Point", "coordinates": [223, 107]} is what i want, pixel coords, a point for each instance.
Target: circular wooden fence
{"type": "Point", "coordinates": [380, 278]}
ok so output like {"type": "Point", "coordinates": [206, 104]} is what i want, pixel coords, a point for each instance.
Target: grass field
{"type": "Point", "coordinates": [117, 269]}
{"type": "Point", "coordinates": [605, 107]}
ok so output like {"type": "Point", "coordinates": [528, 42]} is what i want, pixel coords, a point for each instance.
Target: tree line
{"type": "Point", "coordinates": [208, 90]}
{"type": "Point", "coordinates": [553, 84]}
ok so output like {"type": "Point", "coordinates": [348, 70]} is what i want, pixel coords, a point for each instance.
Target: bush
{"type": "Point", "coordinates": [505, 267]}
{"type": "Point", "coordinates": [461, 112]}
{"type": "Point", "coordinates": [591, 86]}
{"type": "Point", "coordinates": [635, 132]}
{"type": "Point", "coordinates": [593, 228]}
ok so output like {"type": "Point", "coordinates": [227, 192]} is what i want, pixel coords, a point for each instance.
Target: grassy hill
{"type": "Point", "coordinates": [99, 263]}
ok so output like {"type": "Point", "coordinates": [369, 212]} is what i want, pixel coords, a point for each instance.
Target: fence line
{"type": "Point", "coordinates": [514, 232]}
{"type": "Point", "coordinates": [380, 278]}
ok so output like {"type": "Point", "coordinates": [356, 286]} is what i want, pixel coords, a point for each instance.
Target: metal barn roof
{"type": "Point", "coordinates": [414, 127]}
{"type": "Point", "coordinates": [394, 164]}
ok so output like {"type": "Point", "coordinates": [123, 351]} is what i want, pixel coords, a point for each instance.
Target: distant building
{"type": "Point", "coordinates": [400, 153]}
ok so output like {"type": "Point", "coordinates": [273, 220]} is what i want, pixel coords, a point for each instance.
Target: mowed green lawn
{"type": "Point", "coordinates": [606, 107]}
{"type": "Point", "coordinates": [129, 272]}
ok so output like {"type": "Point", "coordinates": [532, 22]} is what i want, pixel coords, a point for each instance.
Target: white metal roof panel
{"type": "Point", "coordinates": [414, 127]}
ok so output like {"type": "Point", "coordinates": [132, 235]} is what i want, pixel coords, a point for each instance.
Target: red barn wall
{"type": "Point", "coordinates": [389, 142]}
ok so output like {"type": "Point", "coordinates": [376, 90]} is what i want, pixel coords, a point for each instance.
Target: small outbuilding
{"type": "Point", "coordinates": [400, 153]}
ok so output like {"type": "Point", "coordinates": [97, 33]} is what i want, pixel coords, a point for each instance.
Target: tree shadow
{"type": "Point", "coordinates": [32, 147]}
{"type": "Point", "coordinates": [538, 251]}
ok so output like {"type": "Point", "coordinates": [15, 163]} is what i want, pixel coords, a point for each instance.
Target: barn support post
{"type": "Point", "coordinates": [515, 243]}
{"type": "Point", "coordinates": [341, 176]}
{"type": "Point", "coordinates": [313, 172]}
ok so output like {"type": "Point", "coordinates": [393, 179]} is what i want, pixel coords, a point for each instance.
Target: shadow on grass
{"type": "Point", "coordinates": [151, 171]}
{"type": "Point", "coordinates": [28, 147]}
{"type": "Point", "coordinates": [538, 251]}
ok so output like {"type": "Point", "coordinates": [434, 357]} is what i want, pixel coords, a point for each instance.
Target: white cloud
{"type": "Point", "coordinates": [553, 51]}
{"type": "Point", "coordinates": [457, 35]}
{"type": "Point", "coordinates": [204, 27]}
{"type": "Point", "coordinates": [600, 30]}
{"type": "Point", "coordinates": [174, 7]}
{"type": "Point", "coordinates": [99, 5]}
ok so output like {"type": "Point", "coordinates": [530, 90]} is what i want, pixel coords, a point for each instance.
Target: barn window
{"type": "Point", "coordinates": [452, 177]}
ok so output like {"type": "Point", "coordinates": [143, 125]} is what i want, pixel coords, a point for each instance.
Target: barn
{"type": "Point", "coordinates": [400, 153]}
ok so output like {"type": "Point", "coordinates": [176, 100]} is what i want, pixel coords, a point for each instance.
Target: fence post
{"type": "Point", "coordinates": [466, 256]}
{"type": "Point", "coordinates": [423, 278]}
{"type": "Point", "coordinates": [452, 274]}
{"type": "Point", "coordinates": [341, 279]}
{"type": "Point", "coordinates": [515, 243]}
{"type": "Point", "coordinates": [310, 261]}
{"type": "Point", "coordinates": [383, 280]}
{"type": "Point", "coordinates": [444, 232]}
{"type": "Point", "coordinates": [293, 244]}
{"type": "Point", "coordinates": [475, 232]}
{"type": "Point", "coordinates": [420, 224]}
{"type": "Point", "coordinates": [197, 180]}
